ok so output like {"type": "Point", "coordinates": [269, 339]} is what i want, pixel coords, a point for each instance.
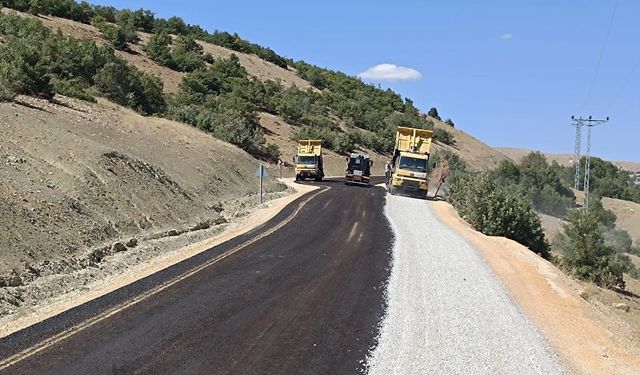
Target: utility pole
{"type": "Point", "coordinates": [577, 122]}
{"type": "Point", "coordinates": [589, 122]}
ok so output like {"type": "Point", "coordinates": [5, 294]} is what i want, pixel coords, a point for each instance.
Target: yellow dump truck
{"type": "Point", "coordinates": [410, 162]}
{"type": "Point", "coordinates": [309, 160]}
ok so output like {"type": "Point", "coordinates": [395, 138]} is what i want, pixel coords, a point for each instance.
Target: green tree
{"type": "Point", "coordinates": [433, 112]}
{"type": "Point", "coordinates": [586, 254]}
{"type": "Point", "coordinates": [24, 70]}
{"type": "Point", "coordinates": [158, 49]}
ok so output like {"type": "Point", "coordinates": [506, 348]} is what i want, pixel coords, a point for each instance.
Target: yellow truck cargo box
{"type": "Point", "coordinates": [310, 147]}
{"type": "Point", "coordinates": [413, 140]}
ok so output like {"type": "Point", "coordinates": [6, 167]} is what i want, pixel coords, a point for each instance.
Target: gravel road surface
{"type": "Point", "coordinates": [447, 312]}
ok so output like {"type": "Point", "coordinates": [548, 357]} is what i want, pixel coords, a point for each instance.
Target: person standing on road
{"type": "Point", "coordinates": [387, 172]}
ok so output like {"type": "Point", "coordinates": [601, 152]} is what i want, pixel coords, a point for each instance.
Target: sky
{"type": "Point", "coordinates": [509, 72]}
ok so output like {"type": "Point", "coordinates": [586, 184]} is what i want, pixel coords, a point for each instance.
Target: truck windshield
{"type": "Point", "coordinates": [306, 159]}
{"type": "Point", "coordinates": [413, 164]}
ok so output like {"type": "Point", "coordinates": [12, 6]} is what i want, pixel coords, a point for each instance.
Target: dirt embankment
{"type": "Point", "coordinates": [594, 330]}
{"type": "Point", "coordinates": [78, 177]}
{"type": "Point", "coordinates": [477, 154]}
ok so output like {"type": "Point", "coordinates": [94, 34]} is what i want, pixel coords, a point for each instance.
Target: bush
{"type": "Point", "coordinates": [433, 112]}
{"type": "Point", "coordinates": [496, 211]}
{"type": "Point", "coordinates": [450, 123]}
{"type": "Point", "coordinates": [585, 253]}
{"type": "Point", "coordinates": [119, 35]}
{"type": "Point", "coordinates": [73, 89]}
{"type": "Point", "coordinates": [24, 70]}
{"type": "Point", "coordinates": [443, 136]}
{"type": "Point", "coordinates": [158, 49]}
{"type": "Point", "coordinates": [535, 179]}
{"type": "Point", "coordinates": [127, 86]}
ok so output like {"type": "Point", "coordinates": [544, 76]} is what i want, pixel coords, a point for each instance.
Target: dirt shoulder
{"type": "Point", "coordinates": [578, 319]}
{"type": "Point", "coordinates": [50, 296]}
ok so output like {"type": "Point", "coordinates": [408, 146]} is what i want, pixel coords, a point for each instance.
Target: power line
{"type": "Point", "coordinates": [602, 50]}
{"type": "Point", "coordinates": [624, 84]}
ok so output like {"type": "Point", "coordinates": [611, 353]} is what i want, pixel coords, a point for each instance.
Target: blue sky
{"type": "Point", "coordinates": [510, 73]}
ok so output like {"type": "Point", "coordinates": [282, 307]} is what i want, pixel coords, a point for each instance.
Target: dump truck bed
{"type": "Point", "coordinates": [413, 140]}
{"type": "Point", "coordinates": [310, 147]}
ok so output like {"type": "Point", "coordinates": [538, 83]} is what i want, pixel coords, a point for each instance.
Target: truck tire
{"type": "Point", "coordinates": [393, 190]}
{"type": "Point", "coordinates": [297, 177]}
{"type": "Point", "coordinates": [318, 178]}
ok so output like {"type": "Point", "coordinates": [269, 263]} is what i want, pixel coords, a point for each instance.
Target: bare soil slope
{"type": "Point", "coordinates": [75, 176]}
{"type": "Point", "coordinates": [477, 154]}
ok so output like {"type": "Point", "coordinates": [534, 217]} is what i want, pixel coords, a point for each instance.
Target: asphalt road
{"type": "Point", "coordinates": [302, 294]}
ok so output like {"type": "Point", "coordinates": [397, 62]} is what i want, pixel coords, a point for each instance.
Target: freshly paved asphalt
{"type": "Point", "coordinates": [305, 298]}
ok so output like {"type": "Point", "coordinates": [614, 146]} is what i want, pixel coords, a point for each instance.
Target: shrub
{"type": "Point", "coordinates": [539, 182]}
{"type": "Point", "coordinates": [585, 253]}
{"type": "Point", "coordinates": [158, 49]}
{"type": "Point", "coordinates": [433, 112]}
{"type": "Point", "coordinates": [127, 86]}
{"type": "Point", "coordinates": [343, 143]}
{"type": "Point", "coordinates": [23, 67]}
{"type": "Point", "coordinates": [119, 36]}
{"type": "Point", "coordinates": [496, 211]}
{"type": "Point", "coordinates": [443, 136]}
{"type": "Point", "coordinates": [73, 89]}
{"type": "Point", "coordinates": [450, 123]}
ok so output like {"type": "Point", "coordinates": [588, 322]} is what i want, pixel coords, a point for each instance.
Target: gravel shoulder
{"type": "Point", "coordinates": [580, 321]}
{"type": "Point", "coordinates": [447, 312]}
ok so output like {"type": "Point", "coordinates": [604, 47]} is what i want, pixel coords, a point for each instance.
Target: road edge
{"type": "Point", "coordinates": [73, 299]}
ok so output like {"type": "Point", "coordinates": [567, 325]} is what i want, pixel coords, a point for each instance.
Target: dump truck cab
{"type": "Point", "coordinates": [358, 169]}
{"type": "Point", "coordinates": [410, 162]}
{"type": "Point", "coordinates": [308, 161]}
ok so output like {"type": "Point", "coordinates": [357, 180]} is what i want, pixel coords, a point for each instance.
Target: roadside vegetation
{"type": "Point", "coordinates": [505, 202]}
{"type": "Point", "coordinates": [496, 210]}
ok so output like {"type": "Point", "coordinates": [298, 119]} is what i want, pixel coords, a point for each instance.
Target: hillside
{"type": "Point", "coordinates": [82, 175]}
{"type": "Point", "coordinates": [477, 154]}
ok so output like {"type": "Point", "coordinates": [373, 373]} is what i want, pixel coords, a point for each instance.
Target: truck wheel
{"type": "Point", "coordinates": [423, 195]}
{"type": "Point", "coordinates": [393, 190]}
{"type": "Point", "coordinates": [297, 177]}
{"type": "Point", "coordinates": [318, 179]}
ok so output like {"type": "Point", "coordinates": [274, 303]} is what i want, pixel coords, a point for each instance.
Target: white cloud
{"type": "Point", "coordinates": [390, 73]}
{"type": "Point", "coordinates": [506, 36]}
